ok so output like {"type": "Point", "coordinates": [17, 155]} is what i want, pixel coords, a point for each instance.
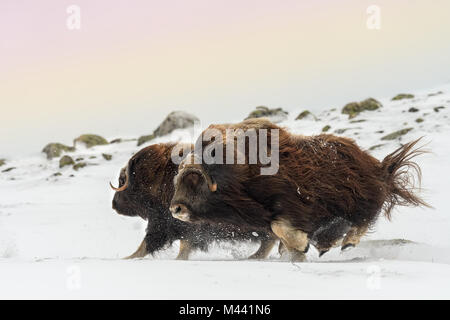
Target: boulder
{"type": "Point", "coordinates": [396, 134]}
{"type": "Point", "coordinates": [79, 165]}
{"type": "Point", "coordinates": [355, 108]}
{"type": "Point", "coordinates": [412, 109]}
{"type": "Point", "coordinates": [106, 156]}
{"type": "Point", "coordinates": [274, 115]}
{"type": "Point", "coordinates": [54, 150]}
{"type": "Point", "coordinates": [144, 139]}
{"type": "Point", "coordinates": [175, 120]}
{"type": "Point", "coordinates": [326, 128]}
{"type": "Point", "coordinates": [402, 96]}
{"type": "Point", "coordinates": [375, 147]}
{"type": "Point", "coordinates": [306, 114]}
{"type": "Point", "coordinates": [2, 162]}
{"type": "Point", "coordinates": [91, 140]}
{"type": "Point", "coordinates": [120, 140]}
{"type": "Point", "coordinates": [66, 161]}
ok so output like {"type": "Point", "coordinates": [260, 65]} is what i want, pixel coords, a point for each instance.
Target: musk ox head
{"type": "Point", "coordinates": [145, 184]}
{"type": "Point", "coordinates": [193, 190]}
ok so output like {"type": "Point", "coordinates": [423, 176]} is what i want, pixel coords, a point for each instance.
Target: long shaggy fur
{"type": "Point", "coordinates": [325, 186]}
{"type": "Point", "coordinates": [149, 179]}
{"type": "Point", "coordinates": [403, 176]}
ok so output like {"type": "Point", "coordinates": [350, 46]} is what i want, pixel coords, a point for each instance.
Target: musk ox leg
{"type": "Point", "coordinates": [281, 248]}
{"type": "Point", "coordinates": [264, 249]}
{"type": "Point", "coordinates": [185, 250]}
{"type": "Point", "coordinates": [295, 241]}
{"type": "Point", "coordinates": [353, 237]}
{"type": "Point", "coordinates": [140, 252]}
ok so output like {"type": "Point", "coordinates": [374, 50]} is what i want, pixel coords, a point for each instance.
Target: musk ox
{"type": "Point", "coordinates": [145, 190]}
{"type": "Point", "coordinates": [326, 188]}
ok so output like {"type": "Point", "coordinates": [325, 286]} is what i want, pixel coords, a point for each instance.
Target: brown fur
{"type": "Point", "coordinates": [148, 178]}
{"type": "Point", "coordinates": [325, 186]}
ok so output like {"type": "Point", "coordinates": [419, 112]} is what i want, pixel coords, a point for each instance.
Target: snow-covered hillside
{"type": "Point", "coordinates": [59, 237]}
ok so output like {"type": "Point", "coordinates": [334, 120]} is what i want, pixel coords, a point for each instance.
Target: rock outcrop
{"type": "Point", "coordinates": [274, 115]}
{"type": "Point", "coordinates": [54, 150]}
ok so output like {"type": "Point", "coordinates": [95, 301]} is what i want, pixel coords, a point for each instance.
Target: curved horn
{"type": "Point", "coordinates": [125, 184]}
{"type": "Point", "coordinates": [118, 189]}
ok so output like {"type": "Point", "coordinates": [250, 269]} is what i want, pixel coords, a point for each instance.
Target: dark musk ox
{"type": "Point", "coordinates": [326, 189]}
{"type": "Point", "coordinates": [145, 190]}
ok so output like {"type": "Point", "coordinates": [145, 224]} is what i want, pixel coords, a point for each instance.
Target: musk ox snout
{"type": "Point", "coordinates": [180, 212]}
{"type": "Point", "coordinates": [118, 204]}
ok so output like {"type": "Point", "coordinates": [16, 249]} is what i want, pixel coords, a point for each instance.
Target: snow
{"type": "Point", "coordinates": [59, 237]}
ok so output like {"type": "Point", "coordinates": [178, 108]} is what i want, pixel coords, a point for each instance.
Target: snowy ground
{"type": "Point", "coordinates": [59, 237]}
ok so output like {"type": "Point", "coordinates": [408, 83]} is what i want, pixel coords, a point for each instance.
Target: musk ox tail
{"type": "Point", "coordinates": [401, 176]}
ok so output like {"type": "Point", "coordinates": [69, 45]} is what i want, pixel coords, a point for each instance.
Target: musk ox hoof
{"type": "Point", "coordinates": [306, 249]}
{"type": "Point", "coordinates": [347, 246]}
{"type": "Point", "coordinates": [322, 252]}
{"type": "Point", "coordinates": [297, 256]}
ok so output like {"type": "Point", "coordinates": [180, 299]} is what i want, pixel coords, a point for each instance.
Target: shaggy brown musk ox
{"type": "Point", "coordinates": [326, 189]}
{"type": "Point", "coordinates": [145, 190]}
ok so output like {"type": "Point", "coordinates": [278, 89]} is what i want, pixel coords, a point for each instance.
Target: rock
{"type": "Point", "coordinates": [274, 115]}
{"type": "Point", "coordinates": [376, 146]}
{"type": "Point", "coordinates": [306, 114]}
{"type": "Point", "coordinates": [92, 157]}
{"type": "Point", "coordinates": [435, 93]}
{"type": "Point", "coordinates": [358, 121]}
{"type": "Point", "coordinates": [412, 109]}
{"type": "Point", "coordinates": [120, 140]}
{"type": "Point", "coordinates": [106, 156]}
{"type": "Point", "coordinates": [66, 161]}
{"type": "Point", "coordinates": [2, 162]}
{"type": "Point", "coordinates": [53, 150]}
{"type": "Point", "coordinates": [144, 139]}
{"type": "Point", "coordinates": [175, 120]}
{"type": "Point", "coordinates": [79, 159]}
{"type": "Point", "coordinates": [9, 169]}
{"type": "Point", "coordinates": [355, 108]}
{"type": "Point", "coordinates": [340, 131]}
{"type": "Point", "coordinates": [57, 174]}
{"type": "Point", "coordinates": [436, 109]}
{"type": "Point", "coordinates": [326, 128]}
{"type": "Point", "coordinates": [419, 120]}
{"type": "Point", "coordinates": [79, 165]}
{"type": "Point", "coordinates": [402, 96]}
{"type": "Point", "coordinates": [91, 140]}
{"type": "Point", "coordinates": [396, 134]}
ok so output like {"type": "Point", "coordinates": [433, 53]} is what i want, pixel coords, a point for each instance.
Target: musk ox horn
{"type": "Point", "coordinates": [118, 189]}
{"type": "Point", "coordinates": [125, 185]}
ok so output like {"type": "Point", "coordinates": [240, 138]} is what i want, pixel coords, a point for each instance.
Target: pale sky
{"type": "Point", "coordinates": [134, 61]}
